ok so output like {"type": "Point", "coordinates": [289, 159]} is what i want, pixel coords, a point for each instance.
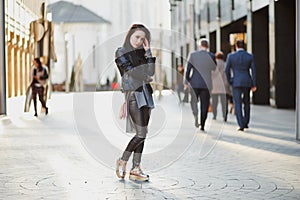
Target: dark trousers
{"type": "Point", "coordinates": [140, 118]}
{"type": "Point", "coordinates": [38, 91]}
{"type": "Point", "coordinates": [204, 96]}
{"type": "Point", "coordinates": [241, 96]}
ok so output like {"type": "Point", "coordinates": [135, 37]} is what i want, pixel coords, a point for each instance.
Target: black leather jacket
{"type": "Point", "coordinates": [135, 68]}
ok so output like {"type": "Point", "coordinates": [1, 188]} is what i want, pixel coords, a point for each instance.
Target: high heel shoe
{"type": "Point", "coordinates": [136, 174]}
{"type": "Point", "coordinates": [121, 168]}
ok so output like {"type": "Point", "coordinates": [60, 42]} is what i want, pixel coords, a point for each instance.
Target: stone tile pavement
{"type": "Point", "coordinates": [70, 153]}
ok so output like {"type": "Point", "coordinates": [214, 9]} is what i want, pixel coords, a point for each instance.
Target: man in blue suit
{"type": "Point", "coordinates": [238, 66]}
{"type": "Point", "coordinates": [198, 76]}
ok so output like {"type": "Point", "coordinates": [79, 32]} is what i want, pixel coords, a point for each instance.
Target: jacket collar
{"type": "Point", "coordinates": [240, 49]}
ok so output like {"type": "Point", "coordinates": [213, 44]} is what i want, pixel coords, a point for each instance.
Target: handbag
{"type": "Point", "coordinates": [123, 111]}
{"type": "Point", "coordinates": [209, 107]}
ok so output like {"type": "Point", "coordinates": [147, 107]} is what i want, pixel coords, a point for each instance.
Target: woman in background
{"type": "Point", "coordinates": [220, 87]}
{"type": "Point", "coordinates": [39, 78]}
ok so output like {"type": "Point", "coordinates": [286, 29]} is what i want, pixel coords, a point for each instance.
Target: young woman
{"type": "Point", "coordinates": [39, 78]}
{"type": "Point", "coordinates": [136, 66]}
{"type": "Point", "coordinates": [220, 87]}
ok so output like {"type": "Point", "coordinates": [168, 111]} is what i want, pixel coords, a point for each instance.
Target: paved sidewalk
{"type": "Point", "coordinates": [70, 153]}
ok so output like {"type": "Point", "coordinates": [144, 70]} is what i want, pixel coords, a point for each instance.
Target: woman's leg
{"type": "Point", "coordinates": [137, 155]}
{"type": "Point", "coordinates": [214, 98]}
{"type": "Point", "coordinates": [224, 106]}
{"type": "Point", "coordinates": [34, 92]}
{"type": "Point", "coordinates": [140, 118]}
{"type": "Point", "coordinates": [136, 144]}
{"type": "Point", "coordinates": [41, 96]}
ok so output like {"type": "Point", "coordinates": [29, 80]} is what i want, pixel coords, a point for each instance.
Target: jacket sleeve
{"type": "Point", "coordinates": [139, 72]}
{"type": "Point", "coordinates": [122, 62]}
{"type": "Point", "coordinates": [188, 71]}
{"type": "Point", "coordinates": [228, 70]}
{"type": "Point", "coordinates": [150, 62]}
{"type": "Point", "coordinates": [213, 57]}
{"type": "Point", "coordinates": [253, 72]}
{"type": "Point", "coordinates": [45, 76]}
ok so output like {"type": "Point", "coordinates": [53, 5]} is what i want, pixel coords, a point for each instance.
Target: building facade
{"type": "Point", "coordinates": [268, 28]}
{"type": "Point", "coordinates": [79, 33]}
{"type": "Point", "coordinates": [18, 15]}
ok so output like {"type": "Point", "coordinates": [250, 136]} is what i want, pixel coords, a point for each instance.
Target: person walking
{"type": "Point", "coordinates": [136, 66]}
{"type": "Point", "coordinates": [39, 77]}
{"type": "Point", "coordinates": [238, 66]}
{"type": "Point", "coordinates": [198, 76]}
{"type": "Point", "coordinates": [220, 87]}
{"type": "Point", "coordinates": [179, 83]}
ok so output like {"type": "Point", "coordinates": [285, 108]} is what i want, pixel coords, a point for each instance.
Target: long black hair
{"type": "Point", "coordinates": [39, 63]}
{"type": "Point", "coordinates": [127, 46]}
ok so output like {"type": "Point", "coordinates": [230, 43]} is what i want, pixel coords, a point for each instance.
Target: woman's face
{"type": "Point", "coordinates": [35, 63]}
{"type": "Point", "coordinates": [137, 38]}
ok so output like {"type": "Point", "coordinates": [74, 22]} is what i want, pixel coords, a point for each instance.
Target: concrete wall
{"type": "Point", "coordinates": [2, 62]}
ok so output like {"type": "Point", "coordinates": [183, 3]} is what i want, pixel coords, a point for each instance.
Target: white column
{"type": "Point", "coordinates": [191, 35]}
{"type": "Point", "coordinates": [67, 89]}
{"type": "Point", "coordinates": [298, 70]}
{"type": "Point", "coordinates": [218, 35]}
{"type": "Point", "coordinates": [218, 31]}
{"type": "Point", "coordinates": [2, 60]}
{"type": "Point", "coordinates": [249, 27]}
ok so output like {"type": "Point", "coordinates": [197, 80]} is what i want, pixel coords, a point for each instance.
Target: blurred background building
{"type": "Point", "coordinates": [90, 31]}
{"type": "Point", "coordinates": [78, 32]}
{"type": "Point", "coordinates": [89, 34]}
{"type": "Point", "coordinates": [18, 15]}
{"type": "Point", "coordinates": [268, 28]}
{"type": "Point", "coordinates": [95, 29]}
{"type": "Point", "coordinates": [81, 35]}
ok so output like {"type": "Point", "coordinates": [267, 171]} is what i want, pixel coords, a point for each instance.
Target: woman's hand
{"type": "Point", "coordinates": [146, 44]}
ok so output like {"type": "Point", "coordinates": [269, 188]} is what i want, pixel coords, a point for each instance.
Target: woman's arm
{"type": "Point", "coordinates": [45, 75]}
{"type": "Point", "coordinates": [139, 72]}
{"type": "Point", "coordinates": [122, 62]}
{"type": "Point", "coordinates": [150, 62]}
{"type": "Point", "coordinates": [125, 66]}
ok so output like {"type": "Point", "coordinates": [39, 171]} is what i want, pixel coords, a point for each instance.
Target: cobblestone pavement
{"type": "Point", "coordinates": [70, 153]}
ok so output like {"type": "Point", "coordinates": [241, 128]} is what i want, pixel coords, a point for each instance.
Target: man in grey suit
{"type": "Point", "coordinates": [198, 75]}
{"type": "Point", "coordinates": [238, 66]}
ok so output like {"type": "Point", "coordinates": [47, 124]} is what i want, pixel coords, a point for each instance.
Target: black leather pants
{"type": "Point", "coordinates": [140, 118]}
{"type": "Point", "coordinates": [38, 91]}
